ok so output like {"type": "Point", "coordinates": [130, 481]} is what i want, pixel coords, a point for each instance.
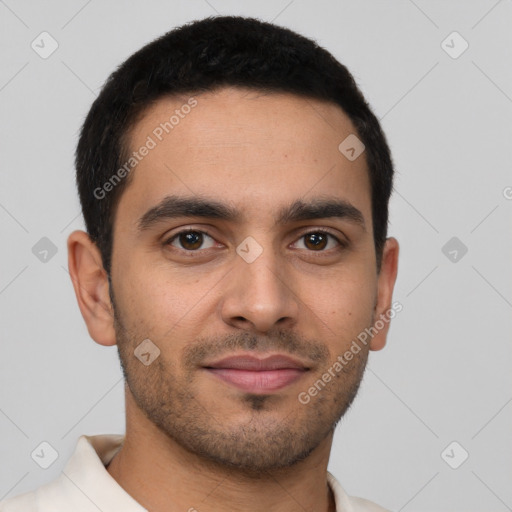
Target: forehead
{"type": "Point", "coordinates": [254, 150]}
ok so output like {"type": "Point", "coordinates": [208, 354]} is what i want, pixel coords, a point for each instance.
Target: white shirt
{"type": "Point", "coordinates": [85, 485]}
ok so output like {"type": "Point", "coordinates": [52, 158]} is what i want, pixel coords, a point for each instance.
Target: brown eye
{"type": "Point", "coordinates": [319, 241]}
{"type": "Point", "coordinates": [190, 240]}
{"type": "Point", "coordinates": [315, 241]}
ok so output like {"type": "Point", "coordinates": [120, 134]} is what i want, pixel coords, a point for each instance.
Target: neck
{"type": "Point", "coordinates": [164, 477]}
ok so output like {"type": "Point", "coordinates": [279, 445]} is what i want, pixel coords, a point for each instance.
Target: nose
{"type": "Point", "coordinates": [259, 295]}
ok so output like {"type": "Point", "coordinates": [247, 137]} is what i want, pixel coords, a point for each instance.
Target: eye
{"type": "Point", "coordinates": [319, 241]}
{"type": "Point", "coordinates": [190, 240]}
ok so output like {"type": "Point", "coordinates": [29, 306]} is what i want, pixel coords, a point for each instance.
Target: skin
{"type": "Point", "coordinates": [192, 440]}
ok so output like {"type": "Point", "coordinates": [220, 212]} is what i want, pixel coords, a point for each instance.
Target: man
{"type": "Point", "coordinates": [235, 188]}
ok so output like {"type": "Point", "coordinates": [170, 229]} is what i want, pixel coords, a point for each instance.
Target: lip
{"type": "Point", "coordinates": [256, 364]}
{"type": "Point", "coordinates": [255, 375]}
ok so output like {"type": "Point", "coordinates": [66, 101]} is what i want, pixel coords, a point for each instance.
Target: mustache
{"type": "Point", "coordinates": [287, 342]}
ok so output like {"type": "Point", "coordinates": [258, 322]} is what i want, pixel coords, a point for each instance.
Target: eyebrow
{"type": "Point", "coordinates": [178, 206]}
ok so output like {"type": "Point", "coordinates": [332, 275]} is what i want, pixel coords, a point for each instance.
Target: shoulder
{"type": "Point", "coordinates": [362, 505]}
{"type": "Point", "coordinates": [25, 502]}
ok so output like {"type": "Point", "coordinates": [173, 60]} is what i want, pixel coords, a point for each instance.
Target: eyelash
{"type": "Point", "coordinates": [341, 244]}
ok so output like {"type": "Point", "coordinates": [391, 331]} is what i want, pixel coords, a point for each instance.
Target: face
{"type": "Point", "coordinates": [243, 250]}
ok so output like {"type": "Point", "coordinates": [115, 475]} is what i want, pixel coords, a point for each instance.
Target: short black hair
{"type": "Point", "coordinates": [203, 56]}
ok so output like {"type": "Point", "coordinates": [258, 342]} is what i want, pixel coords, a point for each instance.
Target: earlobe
{"type": "Point", "coordinates": [91, 286]}
{"type": "Point", "coordinates": [385, 286]}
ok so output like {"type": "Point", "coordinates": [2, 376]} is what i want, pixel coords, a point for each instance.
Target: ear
{"type": "Point", "coordinates": [385, 285]}
{"type": "Point", "coordinates": [91, 287]}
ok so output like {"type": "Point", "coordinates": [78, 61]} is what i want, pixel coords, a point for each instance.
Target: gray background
{"type": "Point", "coordinates": [445, 374]}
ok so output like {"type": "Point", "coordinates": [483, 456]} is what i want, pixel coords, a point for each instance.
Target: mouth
{"type": "Point", "coordinates": [255, 375]}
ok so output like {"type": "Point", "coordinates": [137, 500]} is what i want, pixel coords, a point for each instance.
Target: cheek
{"type": "Point", "coordinates": [159, 299]}
{"type": "Point", "coordinates": [344, 303]}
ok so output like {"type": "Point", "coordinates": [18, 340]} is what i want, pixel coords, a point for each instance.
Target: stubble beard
{"type": "Point", "coordinates": [266, 439]}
